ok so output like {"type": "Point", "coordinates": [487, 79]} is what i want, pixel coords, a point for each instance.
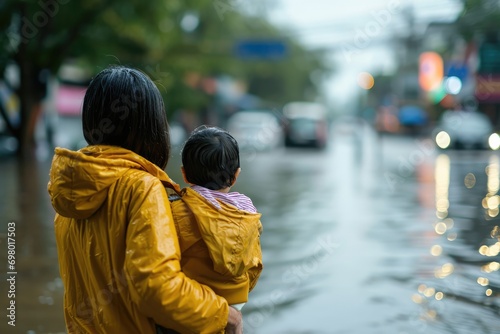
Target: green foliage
{"type": "Point", "coordinates": [149, 35]}
{"type": "Point", "coordinates": [479, 17]}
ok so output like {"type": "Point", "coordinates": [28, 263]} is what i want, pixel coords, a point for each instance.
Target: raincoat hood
{"type": "Point", "coordinates": [231, 235]}
{"type": "Point", "coordinates": [80, 180]}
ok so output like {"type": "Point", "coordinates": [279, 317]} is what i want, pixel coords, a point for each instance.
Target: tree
{"type": "Point", "coordinates": [166, 39]}
{"type": "Point", "coordinates": [478, 17]}
{"type": "Point", "coordinates": [40, 35]}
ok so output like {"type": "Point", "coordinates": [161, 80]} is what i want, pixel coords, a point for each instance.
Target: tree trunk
{"type": "Point", "coordinates": [30, 92]}
{"type": "Point", "coordinates": [28, 102]}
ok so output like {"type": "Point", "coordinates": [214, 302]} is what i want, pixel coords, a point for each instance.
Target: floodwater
{"type": "Point", "coordinates": [372, 235]}
{"type": "Point", "coordinates": [376, 235]}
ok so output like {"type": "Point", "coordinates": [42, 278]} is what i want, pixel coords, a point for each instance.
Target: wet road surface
{"type": "Point", "coordinates": [372, 235]}
{"type": "Point", "coordinates": [376, 236]}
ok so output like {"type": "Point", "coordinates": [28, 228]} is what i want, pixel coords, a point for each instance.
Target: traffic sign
{"type": "Point", "coordinates": [270, 49]}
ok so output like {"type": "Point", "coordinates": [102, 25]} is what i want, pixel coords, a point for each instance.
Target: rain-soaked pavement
{"type": "Point", "coordinates": [372, 235]}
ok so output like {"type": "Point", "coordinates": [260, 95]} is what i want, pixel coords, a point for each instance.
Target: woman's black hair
{"type": "Point", "coordinates": [123, 107]}
{"type": "Point", "coordinates": [210, 158]}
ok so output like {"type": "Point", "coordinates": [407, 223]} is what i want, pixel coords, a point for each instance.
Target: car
{"type": "Point", "coordinates": [257, 130]}
{"type": "Point", "coordinates": [459, 130]}
{"type": "Point", "coordinates": [412, 118]}
{"type": "Point", "coordinates": [306, 124]}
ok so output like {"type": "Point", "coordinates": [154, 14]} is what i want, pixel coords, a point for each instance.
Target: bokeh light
{"type": "Point", "coordinates": [366, 80]}
{"type": "Point", "coordinates": [440, 228]}
{"type": "Point", "coordinates": [483, 281]}
{"type": "Point", "coordinates": [439, 295]}
{"type": "Point", "coordinates": [444, 271]}
{"type": "Point", "coordinates": [449, 223]}
{"type": "Point", "coordinates": [436, 250]}
{"type": "Point", "coordinates": [493, 172]}
{"type": "Point", "coordinates": [493, 202]}
{"type": "Point", "coordinates": [470, 180]}
{"type": "Point", "coordinates": [490, 251]}
{"type": "Point", "coordinates": [490, 267]}
{"type": "Point", "coordinates": [495, 233]}
{"type": "Point", "coordinates": [429, 292]}
{"type": "Point", "coordinates": [494, 141]}
{"type": "Point", "coordinates": [443, 139]}
{"type": "Point", "coordinates": [417, 299]}
{"type": "Point", "coordinates": [453, 85]}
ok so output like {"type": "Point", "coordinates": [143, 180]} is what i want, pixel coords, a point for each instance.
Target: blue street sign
{"type": "Point", "coordinates": [261, 49]}
{"type": "Point", "coordinates": [457, 69]}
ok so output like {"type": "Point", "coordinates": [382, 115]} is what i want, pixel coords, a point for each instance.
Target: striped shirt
{"type": "Point", "coordinates": [242, 202]}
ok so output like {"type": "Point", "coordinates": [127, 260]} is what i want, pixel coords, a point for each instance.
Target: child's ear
{"type": "Point", "coordinates": [236, 174]}
{"type": "Point", "coordinates": [184, 175]}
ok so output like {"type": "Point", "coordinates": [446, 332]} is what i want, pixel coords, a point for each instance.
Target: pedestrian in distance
{"type": "Point", "coordinates": [219, 230]}
{"type": "Point", "coordinates": [118, 249]}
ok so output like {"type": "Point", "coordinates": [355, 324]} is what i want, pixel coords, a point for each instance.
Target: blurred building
{"type": "Point", "coordinates": [487, 88]}
{"type": "Point", "coordinates": [473, 65]}
{"type": "Point", "coordinates": [470, 75]}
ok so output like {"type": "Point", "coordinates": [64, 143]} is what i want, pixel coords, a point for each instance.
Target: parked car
{"type": "Point", "coordinates": [256, 130]}
{"type": "Point", "coordinates": [465, 130]}
{"type": "Point", "coordinates": [306, 124]}
{"type": "Point", "coordinates": [413, 119]}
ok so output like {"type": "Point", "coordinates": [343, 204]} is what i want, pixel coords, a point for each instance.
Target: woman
{"type": "Point", "coordinates": [116, 241]}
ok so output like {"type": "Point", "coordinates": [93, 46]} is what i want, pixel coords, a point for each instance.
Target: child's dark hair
{"type": "Point", "coordinates": [123, 107]}
{"type": "Point", "coordinates": [210, 158]}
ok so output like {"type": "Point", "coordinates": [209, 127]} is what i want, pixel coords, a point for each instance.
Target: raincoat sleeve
{"type": "Point", "coordinates": [161, 291]}
{"type": "Point", "coordinates": [255, 271]}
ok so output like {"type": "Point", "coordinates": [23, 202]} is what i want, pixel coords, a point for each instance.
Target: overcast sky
{"type": "Point", "coordinates": [356, 30]}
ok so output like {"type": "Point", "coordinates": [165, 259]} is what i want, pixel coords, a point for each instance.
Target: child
{"type": "Point", "coordinates": [218, 230]}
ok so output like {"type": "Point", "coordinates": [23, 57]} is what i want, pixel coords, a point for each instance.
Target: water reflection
{"type": "Point", "coordinates": [38, 287]}
{"type": "Point", "coordinates": [467, 206]}
{"type": "Point", "coordinates": [442, 185]}
{"type": "Point", "coordinates": [346, 250]}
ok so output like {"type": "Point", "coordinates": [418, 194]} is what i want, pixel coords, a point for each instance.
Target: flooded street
{"type": "Point", "coordinates": [386, 239]}
{"type": "Point", "coordinates": [371, 235]}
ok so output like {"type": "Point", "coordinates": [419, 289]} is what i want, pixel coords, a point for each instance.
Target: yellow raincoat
{"type": "Point", "coordinates": [118, 248]}
{"type": "Point", "coordinates": [220, 247]}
